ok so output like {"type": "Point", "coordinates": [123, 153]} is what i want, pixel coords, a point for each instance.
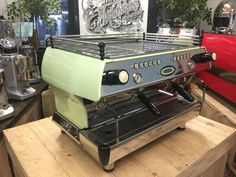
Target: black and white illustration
{"type": "Point", "coordinates": [112, 16]}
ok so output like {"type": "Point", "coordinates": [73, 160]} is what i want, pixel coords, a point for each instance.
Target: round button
{"type": "Point", "coordinates": [175, 58]}
{"type": "Point", "coordinates": [137, 78]}
{"type": "Point", "coordinates": [150, 63]}
{"type": "Point", "coordinates": [158, 62]}
{"type": "Point", "coordinates": [154, 62]}
{"type": "Point", "coordinates": [141, 65]}
{"type": "Point", "coordinates": [145, 64]}
{"type": "Point", "coordinates": [123, 77]}
{"type": "Point", "coordinates": [136, 66]}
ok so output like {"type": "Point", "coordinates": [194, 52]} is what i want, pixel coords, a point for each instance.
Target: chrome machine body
{"type": "Point", "coordinates": [113, 92]}
{"type": "Point", "coordinates": [33, 73]}
{"type": "Point", "coordinates": [15, 66]}
{"type": "Point", "coordinates": [24, 33]}
{"type": "Point", "coordinates": [6, 110]}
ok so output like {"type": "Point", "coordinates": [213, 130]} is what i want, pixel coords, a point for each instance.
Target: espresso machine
{"type": "Point", "coordinates": [6, 110]}
{"type": "Point", "coordinates": [116, 93]}
{"type": "Point", "coordinates": [15, 66]}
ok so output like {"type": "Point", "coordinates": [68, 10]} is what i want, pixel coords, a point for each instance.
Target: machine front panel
{"type": "Point", "coordinates": [149, 70]}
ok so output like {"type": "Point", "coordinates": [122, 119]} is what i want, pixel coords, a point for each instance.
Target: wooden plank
{"type": "Point", "coordinates": [216, 109]}
{"type": "Point", "coordinates": [190, 154]}
{"type": "Point", "coordinates": [82, 162]}
{"type": "Point", "coordinates": [41, 145]}
{"type": "Point", "coordinates": [32, 153]}
{"type": "Point", "coordinates": [218, 169]}
{"type": "Point", "coordinates": [31, 114]}
{"type": "Point", "coordinates": [4, 167]}
{"type": "Point", "coordinates": [48, 103]}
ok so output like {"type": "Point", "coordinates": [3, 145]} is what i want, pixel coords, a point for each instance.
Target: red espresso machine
{"type": "Point", "coordinates": [222, 77]}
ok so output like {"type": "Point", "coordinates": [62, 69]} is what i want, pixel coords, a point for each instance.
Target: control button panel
{"type": "Point", "coordinates": [180, 57]}
{"type": "Point", "coordinates": [146, 64]}
{"type": "Point", "coordinates": [148, 70]}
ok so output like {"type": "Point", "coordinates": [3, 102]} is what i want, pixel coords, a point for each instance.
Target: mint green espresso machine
{"type": "Point", "coordinates": [114, 93]}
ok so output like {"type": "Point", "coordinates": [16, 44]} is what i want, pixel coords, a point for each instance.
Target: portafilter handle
{"type": "Point", "coordinates": [149, 103]}
{"type": "Point", "coordinates": [204, 57]}
{"type": "Point", "coordinates": [184, 93]}
{"type": "Point", "coordinates": [203, 61]}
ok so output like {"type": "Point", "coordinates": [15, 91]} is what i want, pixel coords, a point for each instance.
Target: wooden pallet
{"type": "Point", "coordinates": [40, 149]}
{"type": "Point", "coordinates": [218, 109]}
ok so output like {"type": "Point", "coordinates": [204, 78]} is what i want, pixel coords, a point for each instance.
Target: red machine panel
{"type": "Point", "coordinates": [225, 48]}
{"type": "Point", "coordinates": [224, 88]}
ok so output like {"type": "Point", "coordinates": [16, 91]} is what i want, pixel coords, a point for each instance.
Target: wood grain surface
{"type": "Point", "coordinates": [40, 149]}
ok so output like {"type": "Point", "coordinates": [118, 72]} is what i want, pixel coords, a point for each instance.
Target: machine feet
{"type": "Point", "coordinates": [109, 168]}
{"type": "Point", "coordinates": [182, 127]}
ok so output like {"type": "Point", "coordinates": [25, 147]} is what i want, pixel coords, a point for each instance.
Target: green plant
{"type": "Point", "coordinates": [13, 10]}
{"type": "Point", "coordinates": [29, 9]}
{"type": "Point", "coordinates": [187, 12]}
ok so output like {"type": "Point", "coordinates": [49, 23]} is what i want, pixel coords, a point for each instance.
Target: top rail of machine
{"type": "Point", "coordinates": [110, 46]}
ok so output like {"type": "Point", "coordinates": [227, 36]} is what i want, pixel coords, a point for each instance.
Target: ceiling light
{"type": "Point", "coordinates": [227, 5]}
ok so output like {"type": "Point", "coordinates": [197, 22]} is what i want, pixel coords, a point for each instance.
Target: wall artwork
{"type": "Point", "coordinates": [112, 16]}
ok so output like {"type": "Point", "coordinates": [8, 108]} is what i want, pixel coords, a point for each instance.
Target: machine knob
{"type": "Point", "coordinates": [204, 57]}
{"type": "Point", "coordinates": [115, 77]}
{"type": "Point", "coordinates": [137, 78]}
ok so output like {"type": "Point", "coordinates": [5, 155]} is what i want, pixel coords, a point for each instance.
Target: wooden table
{"type": "Point", "coordinates": [39, 149]}
{"type": "Point", "coordinates": [220, 110]}
{"type": "Point", "coordinates": [24, 111]}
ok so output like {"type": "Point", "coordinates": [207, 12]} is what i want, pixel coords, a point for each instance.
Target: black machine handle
{"type": "Point", "coordinates": [149, 103]}
{"type": "Point", "coordinates": [115, 77]}
{"type": "Point", "coordinates": [204, 57]}
{"type": "Point", "coordinates": [180, 89]}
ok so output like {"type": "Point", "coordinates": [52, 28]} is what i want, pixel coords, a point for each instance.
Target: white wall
{"type": "Point", "coordinates": [211, 4]}
{"type": "Point", "coordinates": [3, 4]}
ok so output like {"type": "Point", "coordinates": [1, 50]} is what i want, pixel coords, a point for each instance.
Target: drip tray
{"type": "Point", "coordinates": [137, 123]}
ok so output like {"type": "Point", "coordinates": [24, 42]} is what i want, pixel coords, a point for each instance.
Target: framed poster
{"type": "Point", "coordinates": [113, 16]}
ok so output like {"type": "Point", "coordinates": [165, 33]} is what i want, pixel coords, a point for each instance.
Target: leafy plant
{"type": "Point", "coordinates": [187, 12]}
{"type": "Point", "coordinates": [29, 9]}
{"type": "Point", "coordinates": [13, 10]}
